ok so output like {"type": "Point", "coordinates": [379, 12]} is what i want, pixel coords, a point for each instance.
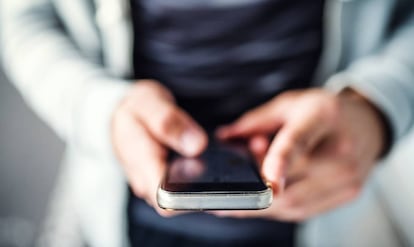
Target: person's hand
{"type": "Point", "coordinates": [324, 147]}
{"type": "Point", "coordinates": [145, 125]}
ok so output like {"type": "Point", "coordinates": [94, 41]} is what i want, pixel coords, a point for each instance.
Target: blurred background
{"type": "Point", "coordinates": [29, 161]}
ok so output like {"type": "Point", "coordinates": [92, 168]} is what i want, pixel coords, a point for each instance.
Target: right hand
{"type": "Point", "coordinates": [145, 126]}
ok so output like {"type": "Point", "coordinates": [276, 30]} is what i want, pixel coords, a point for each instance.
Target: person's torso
{"type": "Point", "coordinates": [221, 58]}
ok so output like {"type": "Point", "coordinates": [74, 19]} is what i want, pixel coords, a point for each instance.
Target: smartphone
{"type": "Point", "coordinates": [224, 177]}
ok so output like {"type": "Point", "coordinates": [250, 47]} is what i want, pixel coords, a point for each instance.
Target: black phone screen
{"type": "Point", "coordinates": [222, 167]}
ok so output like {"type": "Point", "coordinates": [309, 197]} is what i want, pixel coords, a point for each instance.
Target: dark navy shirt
{"type": "Point", "coordinates": [220, 58]}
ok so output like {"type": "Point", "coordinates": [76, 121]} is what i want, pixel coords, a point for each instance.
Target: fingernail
{"type": "Point", "coordinates": [190, 142]}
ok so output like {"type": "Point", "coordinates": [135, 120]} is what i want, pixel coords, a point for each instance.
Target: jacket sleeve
{"type": "Point", "coordinates": [387, 79]}
{"type": "Point", "coordinates": [74, 95]}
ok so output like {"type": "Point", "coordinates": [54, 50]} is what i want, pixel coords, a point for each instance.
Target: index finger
{"type": "Point", "coordinates": [295, 140]}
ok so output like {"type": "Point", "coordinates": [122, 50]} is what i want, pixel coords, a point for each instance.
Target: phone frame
{"type": "Point", "coordinates": [218, 200]}
{"type": "Point", "coordinates": [211, 196]}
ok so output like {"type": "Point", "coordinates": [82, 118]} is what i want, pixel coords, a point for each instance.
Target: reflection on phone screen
{"type": "Point", "coordinates": [220, 163]}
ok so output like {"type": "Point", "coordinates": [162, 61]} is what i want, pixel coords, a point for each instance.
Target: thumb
{"type": "Point", "coordinates": [177, 130]}
{"type": "Point", "coordinates": [153, 106]}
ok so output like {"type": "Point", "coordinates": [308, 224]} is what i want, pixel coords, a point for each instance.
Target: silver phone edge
{"type": "Point", "coordinates": [215, 201]}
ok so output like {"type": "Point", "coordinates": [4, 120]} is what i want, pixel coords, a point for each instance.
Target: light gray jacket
{"type": "Point", "coordinates": [70, 58]}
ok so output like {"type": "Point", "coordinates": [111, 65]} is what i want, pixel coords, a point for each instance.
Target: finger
{"type": "Point", "coordinates": [146, 165]}
{"type": "Point", "coordinates": [325, 178]}
{"type": "Point", "coordinates": [235, 213]}
{"type": "Point", "coordinates": [332, 201]}
{"type": "Point", "coordinates": [145, 161]}
{"type": "Point", "coordinates": [264, 119]}
{"type": "Point", "coordinates": [328, 179]}
{"type": "Point", "coordinates": [315, 193]}
{"type": "Point", "coordinates": [153, 167]}
{"type": "Point", "coordinates": [280, 211]}
{"type": "Point", "coordinates": [322, 205]}
{"type": "Point", "coordinates": [172, 126]}
{"type": "Point", "coordinates": [262, 213]}
{"type": "Point", "coordinates": [294, 140]}
{"type": "Point", "coordinates": [258, 145]}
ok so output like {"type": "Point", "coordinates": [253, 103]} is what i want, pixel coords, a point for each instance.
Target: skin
{"type": "Point", "coordinates": [323, 151]}
{"type": "Point", "coordinates": [315, 147]}
{"type": "Point", "coordinates": [145, 125]}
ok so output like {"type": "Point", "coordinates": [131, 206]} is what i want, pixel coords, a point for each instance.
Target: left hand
{"type": "Point", "coordinates": [324, 147]}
